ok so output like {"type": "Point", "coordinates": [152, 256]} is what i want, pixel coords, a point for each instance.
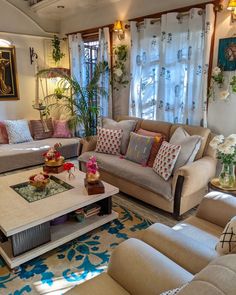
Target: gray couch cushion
{"type": "Point", "coordinates": [142, 176]}
{"type": "Point", "coordinates": [16, 156]}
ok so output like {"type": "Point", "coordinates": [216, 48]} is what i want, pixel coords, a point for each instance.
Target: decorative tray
{"type": "Point", "coordinates": [31, 194]}
{"type": "Point", "coordinates": [215, 182]}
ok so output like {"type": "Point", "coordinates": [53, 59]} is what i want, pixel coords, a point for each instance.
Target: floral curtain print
{"type": "Point", "coordinates": [169, 67]}
{"type": "Point", "coordinates": [77, 57]}
{"type": "Point", "coordinates": [104, 54]}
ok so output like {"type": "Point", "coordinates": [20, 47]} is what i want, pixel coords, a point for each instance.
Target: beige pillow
{"type": "Point", "coordinates": [127, 126]}
{"type": "Point", "coordinates": [227, 241]}
{"type": "Point", "coordinates": [190, 145]}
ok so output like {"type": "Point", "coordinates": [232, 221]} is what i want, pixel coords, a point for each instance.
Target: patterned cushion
{"type": "Point", "coordinates": [158, 139]}
{"type": "Point", "coordinates": [126, 125]}
{"type": "Point", "coordinates": [108, 141]}
{"type": "Point", "coordinates": [3, 134]}
{"type": "Point", "coordinates": [190, 146]}
{"type": "Point", "coordinates": [61, 129]}
{"type": "Point", "coordinates": [174, 291]}
{"type": "Point", "coordinates": [139, 148]}
{"type": "Point", "coordinates": [18, 131]}
{"type": "Point", "coordinates": [227, 241]}
{"type": "Point", "coordinates": [166, 159]}
{"type": "Point", "coordinates": [37, 129]}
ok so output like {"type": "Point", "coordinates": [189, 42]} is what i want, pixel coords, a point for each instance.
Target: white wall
{"type": "Point", "coordinates": [14, 21]}
{"type": "Point", "coordinates": [122, 10]}
{"type": "Point", "coordinates": [221, 114]}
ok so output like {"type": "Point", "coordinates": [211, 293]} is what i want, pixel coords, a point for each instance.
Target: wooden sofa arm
{"type": "Point", "coordinates": [87, 144]}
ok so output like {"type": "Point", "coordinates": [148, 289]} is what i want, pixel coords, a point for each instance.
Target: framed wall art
{"type": "Point", "coordinates": [8, 74]}
{"type": "Point", "coordinates": [227, 54]}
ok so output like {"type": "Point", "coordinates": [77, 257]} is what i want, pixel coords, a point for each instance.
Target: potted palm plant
{"type": "Point", "coordinates": [69, 97]}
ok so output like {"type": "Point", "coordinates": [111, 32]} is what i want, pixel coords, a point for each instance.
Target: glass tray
{"type": "Point", "coordinates": [31, 194]}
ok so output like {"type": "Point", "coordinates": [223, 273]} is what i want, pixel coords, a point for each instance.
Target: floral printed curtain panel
{"type": "Point", "coordinates": [77, 58]}
{"type": "Point", "coordinates": [104, 54]}
{"type": "Point", "coordinates": [169, 67]}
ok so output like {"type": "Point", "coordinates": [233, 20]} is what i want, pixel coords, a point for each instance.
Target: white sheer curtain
{"type": "Point", "coordinates": [77, 58]}
{"type": "Point", "coordinates": [104, 54]}
{"type": "Point", "coordinates": [169, 67]}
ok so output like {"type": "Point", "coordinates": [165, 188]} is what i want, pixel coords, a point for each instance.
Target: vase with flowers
{"type": "Point", "coordinates": [39, 181]}
{"type": "Point", "coordinates": [92, 175]}
{"type": "Point", "coordinates": [226, 153]}
{"type": "Point", "coordinates": [70, 168]}
{"type": "Point", "coordinates": [53, 157]}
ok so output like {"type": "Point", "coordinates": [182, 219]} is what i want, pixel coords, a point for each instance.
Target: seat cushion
{"type": "Point", "coordinates": [142, 176]}
{"type": "Point", "coordinates": [16, 156]}
{"type": "Point", "coordinates": [100, 285]}
{"type": "Point", "coordinates": [200, 230]}
{"type": "Point", "coordinates": [218, 278]}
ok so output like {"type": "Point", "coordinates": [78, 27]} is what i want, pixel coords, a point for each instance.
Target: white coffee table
{"type": "Point", "coordinates": [18, 215]}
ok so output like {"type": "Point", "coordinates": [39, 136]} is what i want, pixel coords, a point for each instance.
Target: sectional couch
{"type": "Point", "coordinates": [183, 191]}
{"type": "Point", "coordinates": [21, 155]}
{"type": "Point", "coordinates": [167, 258]}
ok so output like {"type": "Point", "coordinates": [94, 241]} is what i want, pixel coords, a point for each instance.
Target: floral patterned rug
{"type": "Point", "coordinates": [61, 269]}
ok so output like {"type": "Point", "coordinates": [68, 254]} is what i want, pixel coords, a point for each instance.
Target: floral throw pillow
{"type": "Point", "coordinates": [61, 129]}
{"type": "Point", "coordinates": [18, 131]}
{"type": "Point", "coordinates": [108, 141]}
{"type": "Point", "coordinates": [227, 241]}
{"type": "Point", "coordinates": [166, 159]}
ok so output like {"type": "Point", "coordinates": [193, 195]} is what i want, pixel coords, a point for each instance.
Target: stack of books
{"type": "Point", "coordinates": [91, 210]}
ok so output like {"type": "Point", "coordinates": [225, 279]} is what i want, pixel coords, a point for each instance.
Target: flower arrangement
{"type": "Point", "coordinates": [53, 157]}
{"type": "Point", "coordinates": [226, 153]}
{"type": "Point", "coordinates": [119, 72]}
{"type": "Point", "coordinates": [69, 168]}
{"type": "Point", "coordinates": [92, 174]}
{"type": "Point", "coordinates": [39, 180]}
{"type": "Point", "coordinates": [218, 76]}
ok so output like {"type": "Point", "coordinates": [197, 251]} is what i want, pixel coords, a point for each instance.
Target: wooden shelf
{"type": "Point", "coordinates": [60, 234]}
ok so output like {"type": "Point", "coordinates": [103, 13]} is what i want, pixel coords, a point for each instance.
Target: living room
{"type": "Point", "coordinates": [117, 147]}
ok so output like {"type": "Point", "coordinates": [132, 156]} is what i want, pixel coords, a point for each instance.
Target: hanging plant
{"type": "Point", "coordinates": [119, 72]}
{"type": "Point", "coordinates": [217, 79]}
{"type": "Point", "coordinates": [57, 55]}
{"type": "Point", "coordinates": [233, 83]}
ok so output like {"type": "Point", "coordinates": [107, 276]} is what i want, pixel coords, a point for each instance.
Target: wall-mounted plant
{"type": "Point", "coordinates": [57, 55]}
{"type": "Point", "coordinates": [119, 72]}
{"type": "Point", "coordinates": [217, 79]}
{"type": "Point", "coordinates": [233, 83]}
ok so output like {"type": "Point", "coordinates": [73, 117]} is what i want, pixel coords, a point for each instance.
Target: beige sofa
{"type": "Point", "coordinates": [168, 258]}
{"type": "Point", "coordinates": [180, 193]}
{"type": "Point", "coordinates": [21, 155]}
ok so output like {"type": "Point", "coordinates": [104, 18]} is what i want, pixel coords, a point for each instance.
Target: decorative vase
{"type": "Point", "coordinates": [92, 178]}
{"type": "Point", "coordinates": [227, 175]}
{"type": "Point", "coordinates": [55, 163]}
{"type": "Point", "coordinates": [39, 185]}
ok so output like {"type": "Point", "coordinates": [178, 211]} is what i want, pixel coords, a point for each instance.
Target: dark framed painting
{"type": "Point", "coordinates": [8, 74]}
{"type": "Point", "coordinates": [227, 54]}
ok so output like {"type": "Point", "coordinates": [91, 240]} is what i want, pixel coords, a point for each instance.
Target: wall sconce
{"type": "Point", "coordinates": [232, 8]}
{"type": "Point", "coordinates": [119, 29]}
{"type": "Point", "coordinates": [33, 55]}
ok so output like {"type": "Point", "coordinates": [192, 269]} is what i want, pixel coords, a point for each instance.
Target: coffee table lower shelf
{"type": "Point", "coordinates": [60, 234]}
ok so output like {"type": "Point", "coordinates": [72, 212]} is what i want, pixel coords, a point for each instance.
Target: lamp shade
{"type": "Point", "coordinates": [232, 5]}
{"type": "Point", "coordinates": [118, 27]}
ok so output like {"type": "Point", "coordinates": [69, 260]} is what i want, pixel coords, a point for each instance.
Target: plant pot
{"type": "Point", "coordinates": [92, 178]}
{"type": "Point", "coordinates": [55, 163]}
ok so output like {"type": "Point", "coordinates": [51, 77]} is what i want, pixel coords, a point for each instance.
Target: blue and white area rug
{"type": "Point", "coordinates": [57, 271]}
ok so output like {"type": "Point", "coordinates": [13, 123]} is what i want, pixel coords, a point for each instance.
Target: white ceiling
{"type": "Point", "coordinates": [49, 8]}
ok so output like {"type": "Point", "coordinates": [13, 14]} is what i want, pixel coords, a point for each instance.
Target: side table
{"type": "Point", "coordinates": [214, 185]}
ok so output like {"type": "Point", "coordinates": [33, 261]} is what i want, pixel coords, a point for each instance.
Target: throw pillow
{"type": "Point", "coordinates": [61, 129]}
{"type": "Point", "coordinates": [18, 131]}
{"type": "Point", "coordinates": [227, 241]}
{"type": "Point", "coordinates": [37, 129]}
{"type": "Point", "coordinates": [174, 291]}
{"type": "Point", "coordinates": [108, 141]}
{"type": "Point", "coordinates": [126, 125]}
{"type": "Point", "coordinates": [158, 139]}
{"type": "Point", "coordinates": [190, 145]}
{"type": "Point", "coordinates": [3, 134]}
{"type": "Point", "coordinates": [166, 159]}
{"type": "Point", "coordinates": [139, 148]}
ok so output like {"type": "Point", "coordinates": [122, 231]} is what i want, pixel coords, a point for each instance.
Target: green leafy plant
{"type": "Point", "coordinates": [233, 83]}
{"type": "Point", "coordinates": [57, 55]}
{"type": "Point", "coordinates": [119, 72]}
{"type": "Point", "coordinates": [79, 102]}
